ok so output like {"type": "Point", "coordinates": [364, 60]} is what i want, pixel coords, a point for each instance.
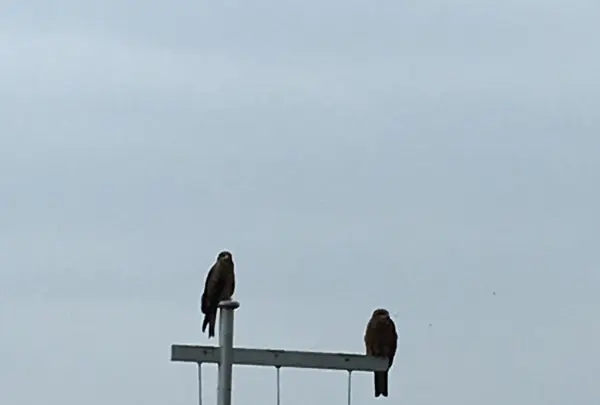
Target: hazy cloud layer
{"type": "Point", "coordinates": [351, 155]}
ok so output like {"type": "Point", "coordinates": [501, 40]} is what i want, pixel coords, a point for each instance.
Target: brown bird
{"type": "Point", "coordinates": [381, 340]}
{"type": "Point", "coordinates": [219, 286]}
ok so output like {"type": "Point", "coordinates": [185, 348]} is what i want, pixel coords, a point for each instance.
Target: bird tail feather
{"type": "Point", "coordinates": [211, 328]}
{"type": "Point", "coordinates": [381, 383]}
{"type": "Point", "coordinates": [209, 320]}
{"type": "Point", "coordinates": [205, 322]}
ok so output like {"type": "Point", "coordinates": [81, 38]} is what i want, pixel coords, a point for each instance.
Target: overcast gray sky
{"type": "Point", "coordinates": [418, 156]}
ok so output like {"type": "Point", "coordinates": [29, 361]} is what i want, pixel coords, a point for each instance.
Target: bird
{"type": "Point", "coordinates": [381, 340]}
{"type": "Point", "coordinates": [219, 286]}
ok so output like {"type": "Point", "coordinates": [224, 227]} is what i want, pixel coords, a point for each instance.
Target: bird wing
{"type": "Point", "coordinates": [391, 336]}
{"type": "Point", "coordinates": [371, 337]}
{"type": "Point", "coordinates": [219, 285]}
{"type": "Point", "coordinates": [210, 288]}
{"type": "Point", "coordinates": [381, 338]}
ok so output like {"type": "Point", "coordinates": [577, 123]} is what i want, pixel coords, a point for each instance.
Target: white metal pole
{"type": "Point", "coordinates": [226, 349]}
{"type": "Point", "coordinates": [200, 383]}
{"type": "Point", "coordinates": [349, 387]}
{"type": "Point", "coordinates": [278, 385]}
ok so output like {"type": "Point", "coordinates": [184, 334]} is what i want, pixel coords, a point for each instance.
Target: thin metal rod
{"type": "Point", "coordinates": [278, 385]}
{"type": "Point", "coordinates": [226, 346]}
{"type": "Point", "coordinates": [349, 387]}
{"type": "Point", "coordinates": [199, 383]}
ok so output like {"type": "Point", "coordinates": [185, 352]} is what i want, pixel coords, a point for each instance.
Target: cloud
{"type": "Point", "coordinates": [415, 156]}
{"type": "Point", "coordinates": [474, 51]}
{"type": "Point", "coordinates": [59, 64]}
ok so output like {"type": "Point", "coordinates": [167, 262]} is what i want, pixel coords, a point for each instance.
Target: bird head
{"type": "Point", "coordinates": [224, 256]}
{"type": "Point", "coordinates": [380, 312]}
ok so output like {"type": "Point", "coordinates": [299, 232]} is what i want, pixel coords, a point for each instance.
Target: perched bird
{"type": "Point", "coordinates": [381, 340]}
{"type": "Point", "coordinates": [219, 286]}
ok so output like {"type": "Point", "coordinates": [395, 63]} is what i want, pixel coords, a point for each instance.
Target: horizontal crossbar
{"type": "Point", "coordinates": [280, 358]}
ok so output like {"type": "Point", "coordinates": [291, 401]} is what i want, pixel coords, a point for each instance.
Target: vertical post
{"type": "Point", "coordinates": [278, 385]}
{"type": "Point", "coordinates": [226, 350]}
{"type": "Point", "coordinates": [199, 383]}
{"type": "Point", "coordinates": [349, 387]}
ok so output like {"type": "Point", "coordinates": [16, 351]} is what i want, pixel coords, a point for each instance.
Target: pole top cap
{"type": "Point", "coordinates": [229, 304]}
